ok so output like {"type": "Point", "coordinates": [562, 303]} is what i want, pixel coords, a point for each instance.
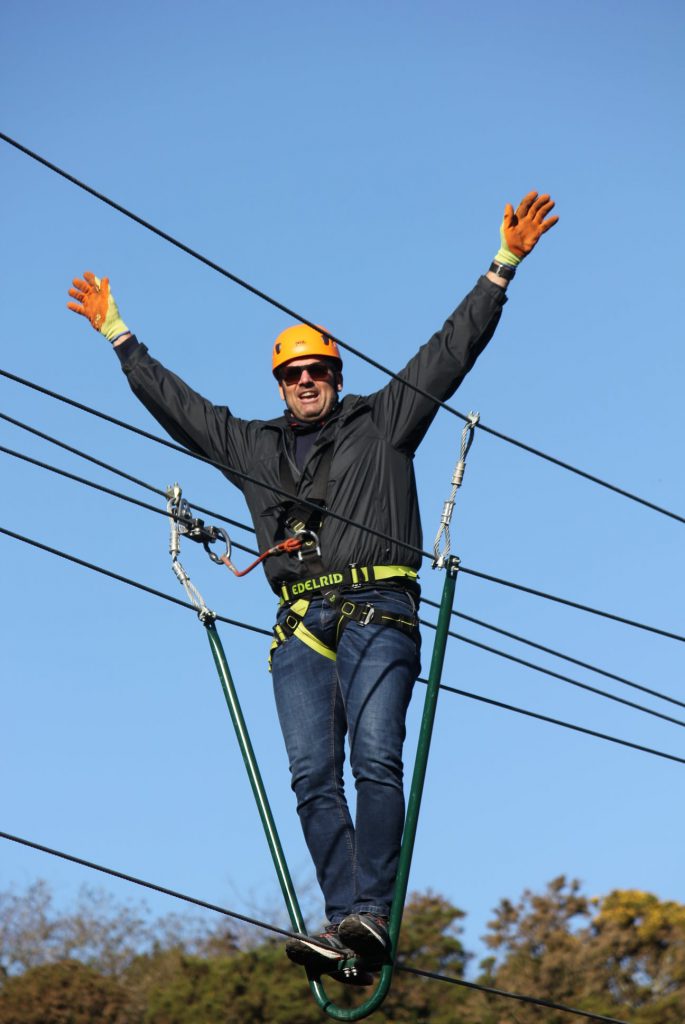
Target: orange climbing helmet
{"type": "Point", "coordinates": [301, 340]}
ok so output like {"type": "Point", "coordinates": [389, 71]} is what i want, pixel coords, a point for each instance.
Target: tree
{"type": "Point", "coordinates": [622, 955]}
{"type": "Point", "coordinates": [62, 993]}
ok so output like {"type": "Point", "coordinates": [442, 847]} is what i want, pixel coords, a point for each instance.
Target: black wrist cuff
{"type": "Point", "coordinates": [502, 270]}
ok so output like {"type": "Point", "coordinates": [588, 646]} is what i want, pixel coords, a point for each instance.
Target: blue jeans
{"type": "Point", "coordinates": [364, 694]}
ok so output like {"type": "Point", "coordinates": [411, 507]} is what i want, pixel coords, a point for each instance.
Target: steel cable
{"type": "Point", "coordinates": [334, 515]}
{"type": "Point", "coordinates": [367, 359]}
{"type": "Point", "coordinates": [265, 632]}
{"type": "Point", "coordinates": [101, 487]}
{"type": "Point", "coordinates": [558, 675]}
{"type": "Point", "coordinates": [493, 650]}
{"type": "Point", "coordinates": [431, 625]}
{"type": "Point", "coordinates": [424, 600]}
{"type": "Point", "coordinates": [558, 654]}
{"type": "Point", "coordinates": [205, 905]}
{"type": "Point", "coordinates": [118, 472]}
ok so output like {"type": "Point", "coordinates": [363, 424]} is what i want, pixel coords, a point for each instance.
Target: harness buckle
{"type": "Point", "coordinates": [366, 615]}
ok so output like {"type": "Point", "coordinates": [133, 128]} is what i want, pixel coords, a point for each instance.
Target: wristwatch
{"type": "Point", "coordinates": [502, 270]}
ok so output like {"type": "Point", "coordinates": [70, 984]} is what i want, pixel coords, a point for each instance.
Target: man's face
{"type": "Point", "coordinates": [309, 396]}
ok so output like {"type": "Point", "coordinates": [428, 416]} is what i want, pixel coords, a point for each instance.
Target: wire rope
{"type": "Point", "coordinates": [557, 654]}
{"type": "Point", "coordinates": [265, 632]}
{"type": "Point", "coordinates": [334, 515]}
{"type": "Point", "coordinates": [367, 359]}
{"type": "Point", "coordinates": [558, 675]}
{"type": "Point", "coordinates": [522, 588]}
{"type": "Point", "coordinates": [425, 600]}
{"type": "Point", "coordinates": [118, 472]}
{"type": "Point", "coordinates": [493, 650]}
{"type": "Point", "coordinates": [100, 487]}
{"type": "Point", "coordinates": [560, 722]}
{"type": "Point", "coordinates": [225, 912]}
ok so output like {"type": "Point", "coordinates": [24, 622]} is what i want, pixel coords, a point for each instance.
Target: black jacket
{"type": "Point", "coordinates": [374, 439]}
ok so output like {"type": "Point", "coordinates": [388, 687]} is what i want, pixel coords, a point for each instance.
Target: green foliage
{"type": "Point", "coordinates": [622, 955]}
{"type": "Point", "coordinates": [62, 993]}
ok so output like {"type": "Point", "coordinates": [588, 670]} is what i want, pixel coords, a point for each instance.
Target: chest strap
{"type": "Point", "coordinates": [350, 576]}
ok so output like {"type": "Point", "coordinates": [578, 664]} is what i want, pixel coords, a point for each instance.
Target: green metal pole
{"type": "Point", "coordinates": [413, 805]}
{"type": "Point", "coordinates": [260, 796]}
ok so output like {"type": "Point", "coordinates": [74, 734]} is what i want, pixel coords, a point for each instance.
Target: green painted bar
{"type": "Point", "coordinates": [259, 792]}
{"type": "Point", "coordinates": [413, 803]}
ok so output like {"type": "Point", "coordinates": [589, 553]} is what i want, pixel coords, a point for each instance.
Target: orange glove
{"type": "Point", "coordinates": [96, 303]}
{"type": "Point", "coordinates": [521, 231]}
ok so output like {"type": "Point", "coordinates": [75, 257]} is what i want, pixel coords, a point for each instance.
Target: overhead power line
{"type": "Point", "coordinates": [331, 514]}
{"type": "Point", "coordinates": [345, 345]}
{"type": "Point", "coordinates": [424, 600]}
{"type": "Point", "coordinates": [205, 905]}
{"type": "Point", "coordinates": [265, 632]}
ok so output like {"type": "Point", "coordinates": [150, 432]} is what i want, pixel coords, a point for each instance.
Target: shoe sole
{"type": "Point", "coordinates": [313, 956]}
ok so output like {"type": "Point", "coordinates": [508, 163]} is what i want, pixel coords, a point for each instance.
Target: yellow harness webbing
{"type": "Point", "coordinates": [351, 576]}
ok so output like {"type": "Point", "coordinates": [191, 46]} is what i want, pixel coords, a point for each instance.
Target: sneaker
{"type": "Point", "coordinates": [319, 955]}
{"type": "Point", "coordinates": [367, 935]}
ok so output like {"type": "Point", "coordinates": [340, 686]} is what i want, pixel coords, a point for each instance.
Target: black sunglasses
{"type": "Point", "coordinates": [290, 375]}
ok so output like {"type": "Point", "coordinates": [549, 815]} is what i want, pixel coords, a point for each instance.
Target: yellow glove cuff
{"type": "Point", "coordinates": [112, 326]}
{"type": "Point", "coordinates": [504, 253]}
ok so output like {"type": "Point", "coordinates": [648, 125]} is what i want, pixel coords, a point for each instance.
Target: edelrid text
{"type": "Point", "coordinates": [317, 583]}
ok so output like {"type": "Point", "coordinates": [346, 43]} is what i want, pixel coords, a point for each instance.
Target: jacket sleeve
{"type": "Point", "coordinates": [438, 368]}
{"type": "Point", "coordinates": [192, 420]}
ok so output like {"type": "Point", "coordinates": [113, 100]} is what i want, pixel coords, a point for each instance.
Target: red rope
{"type": "Point", "coordinates": [291, 544]}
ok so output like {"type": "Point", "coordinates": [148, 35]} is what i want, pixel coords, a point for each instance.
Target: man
{"type": "Point", "coordinates": [345, 654]}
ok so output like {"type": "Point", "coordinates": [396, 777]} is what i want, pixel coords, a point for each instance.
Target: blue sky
{"type": "Point", "coordinates": [354, 163]}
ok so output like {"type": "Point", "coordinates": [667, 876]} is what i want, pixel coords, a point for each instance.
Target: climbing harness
{"type": "Point", "coordinates": [184, 525]}
{"type": "Point", "coordinates": [348, 611]}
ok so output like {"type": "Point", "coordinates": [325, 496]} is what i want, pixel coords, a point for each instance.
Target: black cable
{"type": "Point", "coordinates": [125, 579]}
{"type": "Point", "coordinates": [425, 600]}
{"type": "Point", "coordinates": [558, 721]}
{"type": "Point", "coordinates": [333, 515]}
{"type": "Point", "coordinates": [557, 654]}
{"type": "Point", "coordinates": [434, 604]}
{"type": "Point", "coordinates": [120, 472]}
{"type": "Point", "coordinates": [557, 675]}
{"type": "Point", "coordinates": [71, 858]}
{"type": "Point", "coordinates": [570, 604]}
{"type": "Point", "coordinates": [101, 487]}
{"type": "Point", "coordinates": [209, 462]}
{"type": "Point", "coordinates": [296, 316]}
{"type": "Point", "coordinates": [431, 625]}
{"type": "Point", "coordinates": [488, 990]}
{"type": "Point", "coordinates": [457, 636]}
{"type": "Point", "coordinates": [266, 632]}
